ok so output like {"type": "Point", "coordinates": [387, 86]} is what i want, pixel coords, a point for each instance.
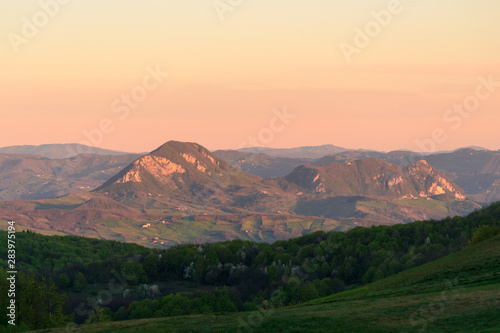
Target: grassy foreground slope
{"type": "Point", "coordinates": [457, 293]}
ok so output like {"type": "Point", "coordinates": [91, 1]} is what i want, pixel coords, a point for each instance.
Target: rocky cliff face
{"type": "Point", "coordinates": [429, 182]}
{"type": "Point", "coordinates": [492, 194]}
{"type": "Point", "coordinates": [175, 168]}
{"type": "Point", "coordinates": [159, 167]}
{"type": "Point", "coordinates": [376, 178]}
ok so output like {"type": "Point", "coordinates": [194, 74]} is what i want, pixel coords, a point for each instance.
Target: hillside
{"type": "Point", "coordinates": [348, 156]}
{"type": "Point", "coordinates": [372, 177]}
{"type": "Point", "coordinates": [439, 297]}
{"type": "Point", "coordinates": [458, 292]}
{"type": "Point", "coordinates": [477, 264]}
{"type": "Point", "coordinates": [260, 164]}
{"type": "Point", "coordinates": [299, 152]}
{"type": "Point", "coordinates": [36, 177]}
{"type": "Point", "coordinates": [475, 170]}
{"type": "Point", "coordinates": [94, 215]}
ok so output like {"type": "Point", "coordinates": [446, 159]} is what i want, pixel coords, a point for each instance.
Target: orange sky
{"type": "Point", "coordinates": [65, 69]}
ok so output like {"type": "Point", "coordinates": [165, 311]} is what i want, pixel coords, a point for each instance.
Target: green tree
{"type": "Point", "coordinates": [4, 301]}
{"type": "Point", "coordinates": [151, 264]}
{"type": "Point", "coordinates": [135, 271]}
{"type": "Point", "coordinates": [291, 289]}
{"type": "Point", "coordinates": [40, 303]}
{"type": "Point", "coordinates": [307, 291]}
{"type": "Point", "coordinates": [63, 280]}
{"type": "Point", "coordinates": [325, 269]}
{"type": "Point", "coordinates": [80, 282]}
{"type": "Point", "coordinates": [484, 232]}
{"type": "Point", "coordinates": [98, 314]}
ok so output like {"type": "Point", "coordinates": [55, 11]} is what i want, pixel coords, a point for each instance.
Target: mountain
{"type": "Point", "coordinates": [267, 166]}
{"type": "Point", "coordinates": [475, 170]}
{"type": "Point", "coordinates": [179, 170]}
{"type": "Point", "coordinates": [181, 192]}
{"type": "Point", "coordinates": [454, 150]}
{"type": "Point", "coordinates": [347, 156]}
{"type": "Point", "coordinates": [371, 192]}
{"type": "Point", "coordinates": [177, 174]}
{"type": "Point", "coordinates": [36, 177]}
{"type": "Point", "coordinates": [58, 151]}
{"type": "Point", "coordinates": [399, 157]}
{"type": "Point", "coordinates": [260, 164]}
{"type": "Point", "coordinates": [372, 177]}
{"type": "Point", "coordinates": [300, 152]}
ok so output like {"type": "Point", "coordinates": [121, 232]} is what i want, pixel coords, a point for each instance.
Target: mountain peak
{"type": "Point", "coordinates": [174, 168]}
{"type": "Point", "coordinates": [178, 146]}
{"type": "Point", "coordinates": [419, 164]}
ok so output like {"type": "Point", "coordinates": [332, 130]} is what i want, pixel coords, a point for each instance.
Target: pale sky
{"type": "Point", "coordinates": [65, 69]}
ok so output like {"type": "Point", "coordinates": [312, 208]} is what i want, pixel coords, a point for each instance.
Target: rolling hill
{"type": "Point", "coordinates": [299, 152]}
{"type": "Point", "coordinates": [36, 177]}
{"type": "Point", "coordinates": [459, 292]}
{"type": "Point", "coordinates": [260, 164]}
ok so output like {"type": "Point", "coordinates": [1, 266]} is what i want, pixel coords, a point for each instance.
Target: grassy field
{"type": "Point", "coordinates": [458, 293]}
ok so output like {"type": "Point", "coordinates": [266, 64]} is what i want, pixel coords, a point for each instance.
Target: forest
{"type": "Point", "coordinates": [66, 279]}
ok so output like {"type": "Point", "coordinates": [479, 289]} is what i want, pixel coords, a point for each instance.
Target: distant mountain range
{"type": "Point", "coordinates": [36, 177]}
{"type": "Point", "coordinates": [58, 150]}
{"type": "Point", "coordinates": [300, 152]}
{"type": "Point", "coordinates": [260, 164]}
{"type": "Point", "coordinates": [182, 192]}
{"type": "Point", "coordinates": [476, 170]}
{"type": "Point", "coordinates": [180, 171]}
